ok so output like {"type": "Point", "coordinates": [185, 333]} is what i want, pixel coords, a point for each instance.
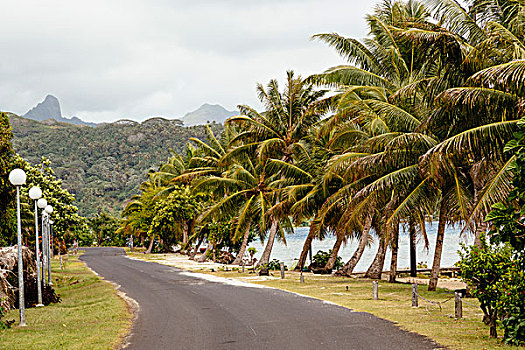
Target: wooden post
{"type": "Point", "coordinates": [302, 277]}
{"type": "Point", "coordinates": [414, 295]}
{"type": "Point", "coordinates": [458, 306]}
{"type": "Point", "coordinates": [243, 267]}
{"type": "Point", "coordinates": [375, 285]}
{"type": "Point", "coordinates": [282, 270]}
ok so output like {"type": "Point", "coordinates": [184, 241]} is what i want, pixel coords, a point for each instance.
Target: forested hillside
{"type": "Point", "coordinates": [102, 166]}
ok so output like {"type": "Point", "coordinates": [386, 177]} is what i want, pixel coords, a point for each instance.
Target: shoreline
{"type": "Point", "coordinates": [183, 262]}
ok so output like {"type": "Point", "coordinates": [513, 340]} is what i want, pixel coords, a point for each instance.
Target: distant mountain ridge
{"type": "Point", "coordinates": [49, 108]}
{"type": "Point", "coordinates": [103, 166]}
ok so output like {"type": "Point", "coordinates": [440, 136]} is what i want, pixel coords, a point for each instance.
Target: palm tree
{"type": "Point", "coordinates": [245, 193]}
{"type": "Point", "coordinates": [276, 132]}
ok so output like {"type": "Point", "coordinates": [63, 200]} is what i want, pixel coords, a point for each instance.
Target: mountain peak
{"type": "Point", "coordinates": [50, 99]}
{"type": "Point", "coordinates": [207, 113]}
{"type": "Point", "coordinates": [49, 108]}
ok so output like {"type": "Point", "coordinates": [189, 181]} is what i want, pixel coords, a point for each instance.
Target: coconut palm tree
{"type": "Point", "coordinates": [276, 132]}
{"type": "Point", "coordinates": [245, 193]}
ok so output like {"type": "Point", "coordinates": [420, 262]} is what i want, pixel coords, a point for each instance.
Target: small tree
{"type": "Point", "coordinates": [482, 267]}
{"type": "Point", "coordinates": [105, 227]}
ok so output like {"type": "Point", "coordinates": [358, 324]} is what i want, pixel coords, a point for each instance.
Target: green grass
{"type": "Point", "coordinates": [90, 316]}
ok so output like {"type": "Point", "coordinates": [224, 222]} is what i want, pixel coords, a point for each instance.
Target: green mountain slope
{"type": "Point", "coordinates": [102, 166]}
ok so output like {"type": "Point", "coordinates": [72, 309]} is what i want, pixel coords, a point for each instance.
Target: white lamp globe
{"type": "Point", "coordinates": [41, 203]}
{"type": "Point", "coordinates": [49, 209]}
{"type": "Point", "coordinates": [17, 177]}
{"type": "Point", "coordinates": [35, 192]}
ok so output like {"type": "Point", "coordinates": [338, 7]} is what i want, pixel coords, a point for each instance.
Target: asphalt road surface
{"type": "Point", "coordinates": [181, 311]}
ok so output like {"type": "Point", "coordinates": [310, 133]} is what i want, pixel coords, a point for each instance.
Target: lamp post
{"type": "Point", "coordinates": [42, 203]}
{"type": "Point", "coordinates": [35, 193]}
{"type": "Point", "coordinates": [17, 177]}
{"type": "Point", "coordinates": [49, 210]}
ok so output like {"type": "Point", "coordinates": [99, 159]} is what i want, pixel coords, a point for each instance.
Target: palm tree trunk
{"type": "Point", "coordinates": [184, 232]}
{"type": "Point", "coordinates": [203, 257]}
{"type": "Point", "coordinates": [412, 238]}
{"type": "Point", "coordinates": [238, 258]}
{"type": "Point", "coordinates": [335, 250]}
{"type": "Point", "coordinates": [376, 268]}
{"type": "Point", "coordinates": [434, 275]}
{"type": "Point", "coordinates": [150, 248]}
{"type": "Point", "coordinates": [306, 248]}
{"type": "Point", "coordinates": [265, 257]}
{"type": "Point", "coordinates": [363, 240]}
{"type": "Point", "coordinates": [394, 247]}
{"type": "Point", "coordinates": [480, 229]}
{"type": "Point", "coordinates": [196, 250]}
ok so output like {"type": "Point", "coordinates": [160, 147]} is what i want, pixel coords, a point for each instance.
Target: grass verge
{"type": "Point", "coordinates": [90, 316]}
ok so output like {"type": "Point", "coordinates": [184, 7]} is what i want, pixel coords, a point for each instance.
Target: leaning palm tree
{"type": "Point", "coordinates": [245, 193]}
{"type": "Point", "coordinates": [276, 132]}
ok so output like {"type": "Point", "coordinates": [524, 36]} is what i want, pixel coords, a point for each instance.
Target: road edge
{"type": "Point", "coordinates": [132, 306]}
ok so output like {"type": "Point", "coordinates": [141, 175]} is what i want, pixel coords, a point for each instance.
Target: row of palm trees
{"type": "Point", "coordinates": [410, 129]}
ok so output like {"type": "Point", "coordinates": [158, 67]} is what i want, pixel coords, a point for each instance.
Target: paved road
{"type": "Point", "coordinates": [180, 311]}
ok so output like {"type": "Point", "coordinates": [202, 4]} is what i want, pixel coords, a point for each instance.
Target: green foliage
{"type": "Point", "coordinates": [222, 236]}
{"type": "Point", "coordinates": [105, 165]}
{"type": "Point", "coordinates": [483, 269]}
{"type": "Point", "coordinates": [321, 258]}
{"type": "Point", "coordinates": [7, 194]}
{"type": "Point", "coordinates": [66, 221]}
{"type": "Point", "coordinates": [275, 265]}
{"type": "Point", "coordinates": [174, 215]}
{"type": "Point", "coordinates": [508, 220]}
{"type": "Point", "coordinates": [105, 229]}
{"type": "Point", "coordinates": [513, 303]}
{"type": "Point", "coordinates": [497, 279]}
{"type": "Point", "coordinates": [508, 229]}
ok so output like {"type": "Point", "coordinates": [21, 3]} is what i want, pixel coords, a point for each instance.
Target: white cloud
{"type": "Point", "coordinates": [107, 60]}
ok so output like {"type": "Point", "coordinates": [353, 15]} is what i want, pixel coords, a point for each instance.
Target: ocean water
{"type": "Point", "coordinates": [294, 244]}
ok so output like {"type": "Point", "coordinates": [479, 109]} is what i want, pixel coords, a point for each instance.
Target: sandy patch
{"type": "Point", "coordinates": [447, 283]}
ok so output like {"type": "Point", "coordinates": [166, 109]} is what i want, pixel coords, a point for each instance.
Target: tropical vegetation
{"type": "Point", "coordinates": [410, 129]}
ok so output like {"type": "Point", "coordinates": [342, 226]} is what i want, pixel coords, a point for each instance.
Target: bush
{"type": "Point", "coordinates": [321, 258]}
{"type": "Point", "coordinates": [496, 278]}
{"type": "Point", "coordinates": [275, 265]}
{"type": "Point", "coordinates": [482, 268]}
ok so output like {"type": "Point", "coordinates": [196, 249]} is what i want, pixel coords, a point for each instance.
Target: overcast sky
{"type": "Point", "coordinates": [107, 60]}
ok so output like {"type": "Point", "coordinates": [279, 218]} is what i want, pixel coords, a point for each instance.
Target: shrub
{"type": "Point", "coordinates": [496, 277]}
{"type": "Point", "coordinates": [275, 265]}
{"type": "Point", "coordinates": [482, 268]}
{"type": "Point", "coordinates": [321, 258]}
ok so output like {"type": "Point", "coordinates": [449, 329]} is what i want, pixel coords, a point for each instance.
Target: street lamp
{"type": "Point", "coordinates": [42, 203]}
{"type": "Point", "coordinates": [35, 193]}
{"type": "Point", "coordinates": [49, 210]}
{"type": "Point", "coordinates": [17, 177]}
